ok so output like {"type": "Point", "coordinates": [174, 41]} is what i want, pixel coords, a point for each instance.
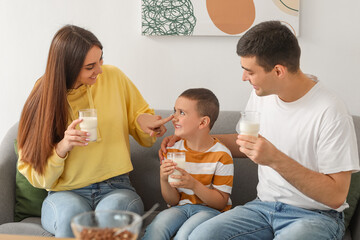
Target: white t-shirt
{"type": "Point", "coordinates": [316, 130]}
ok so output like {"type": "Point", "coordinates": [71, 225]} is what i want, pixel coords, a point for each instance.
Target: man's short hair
{"type": "Point", "coordinates": [207, 103]}
{"type": "Point", "coordinates": [271, 43]}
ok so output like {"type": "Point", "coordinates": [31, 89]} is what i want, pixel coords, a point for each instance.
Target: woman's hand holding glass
{"type": "Point", "coordinates": [72, 138]}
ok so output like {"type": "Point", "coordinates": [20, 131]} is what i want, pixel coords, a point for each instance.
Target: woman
{"type": "Point", "coordinates": [54, 154]}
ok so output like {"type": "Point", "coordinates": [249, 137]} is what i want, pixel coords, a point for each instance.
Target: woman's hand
{"type": "Point", "coordinates": [72, 138]}
{"type": "Point", "coordinates": [153, 124]}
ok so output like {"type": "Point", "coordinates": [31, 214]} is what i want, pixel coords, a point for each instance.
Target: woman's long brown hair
{"type": "Point", "coordinates": [44, 117]}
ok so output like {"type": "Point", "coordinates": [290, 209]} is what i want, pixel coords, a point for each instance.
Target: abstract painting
{"type": "Point", "coordinates": [214, 17]}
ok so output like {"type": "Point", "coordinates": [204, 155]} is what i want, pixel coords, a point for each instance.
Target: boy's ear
{"type": "Point", "coordinates": [205, 122]}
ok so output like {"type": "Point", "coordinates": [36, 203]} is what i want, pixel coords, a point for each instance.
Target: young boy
{"type": "Point", "coordinates": [205, 184]}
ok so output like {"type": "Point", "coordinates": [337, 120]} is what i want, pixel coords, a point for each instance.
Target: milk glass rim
{"type": "Point", "coordinates": [88, 110]}
{"type": "Point", "coordinates": [170, 155]}
{"type": "Point", "coordinates": [76, 220]}
{"type": "Point", "coordinates": [253, 112]}
{"type": "Point", "coordinates": [76, 217]}
{"type": "Point", "coordinates": [250, 116]}
{"type": "Point", "coordinates": [176, 153]}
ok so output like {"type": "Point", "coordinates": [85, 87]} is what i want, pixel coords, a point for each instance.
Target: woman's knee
{"type": "Point", "coordinates": [58, 209]}
{"type": "Point", "coordinates": [67, 202]}
{"type": "Point", "coordinates": [122, 199]}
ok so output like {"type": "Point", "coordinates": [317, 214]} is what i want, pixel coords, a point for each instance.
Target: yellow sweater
{"type": "Point", "coordinates": [118, 103]}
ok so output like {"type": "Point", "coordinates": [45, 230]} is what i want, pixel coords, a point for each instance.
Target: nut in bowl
{"type": "Point", "coordinates": [106, 225]}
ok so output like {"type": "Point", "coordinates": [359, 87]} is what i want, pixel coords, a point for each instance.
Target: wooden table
{"type": "Point", "coordinates": [25, 237]}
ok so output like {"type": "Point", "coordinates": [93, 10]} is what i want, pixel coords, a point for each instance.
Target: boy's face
{"type": "Point", "coordinates": [186, 119]}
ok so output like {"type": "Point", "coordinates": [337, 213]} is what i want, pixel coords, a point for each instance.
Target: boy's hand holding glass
{"type": "Point", "coordinates": [184, 180]}
{"type": "Point", "coordinates": [179, 158]}
{"type": "Point", "coordinates": [167, 167]}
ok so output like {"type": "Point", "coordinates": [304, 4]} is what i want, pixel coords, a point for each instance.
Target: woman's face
{"type": "Point", "coordinates": [91, 67]}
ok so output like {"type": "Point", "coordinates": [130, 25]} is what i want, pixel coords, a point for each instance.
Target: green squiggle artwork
{"type": "Point", "coordinates": [167, 17]}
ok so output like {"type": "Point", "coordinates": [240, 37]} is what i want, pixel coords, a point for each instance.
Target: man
{"type": "Point", "coordinates": [306, 150]}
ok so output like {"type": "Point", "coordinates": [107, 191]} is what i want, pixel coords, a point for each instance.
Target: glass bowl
{"type": "Point", "coordinates": [106, 225]}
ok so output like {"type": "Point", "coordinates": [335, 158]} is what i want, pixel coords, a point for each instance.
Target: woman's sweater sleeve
{"type": "Point", "coordinates": [53, 170]}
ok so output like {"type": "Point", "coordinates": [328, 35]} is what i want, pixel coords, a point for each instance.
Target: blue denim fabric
{"type": "Point", "coordinates": [60, 207]}
{"type": "Point", "coordinates": [271, 220]}
{"type": "Point", "coordinates": [180, 220]}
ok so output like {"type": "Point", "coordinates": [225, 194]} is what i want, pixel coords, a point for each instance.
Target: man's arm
{"type": "Point", "coordinates": [229, 140]}
{"type": "Point", "coordinates": [329, 189]}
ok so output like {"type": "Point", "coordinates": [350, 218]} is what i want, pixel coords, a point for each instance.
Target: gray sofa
{"type": "Point", "coordinates": [145, 178]}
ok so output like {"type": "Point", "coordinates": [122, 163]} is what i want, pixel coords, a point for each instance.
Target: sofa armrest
{"type": "Point", "coordinates": [7, 176]}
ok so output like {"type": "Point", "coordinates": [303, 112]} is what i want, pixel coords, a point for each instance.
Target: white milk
{"type": "Point", "coordinates": [180, 160]}
{"type": "Point", "coordinates": [249, 128]}
{"type": "Point", "coordinates": [89, 124]}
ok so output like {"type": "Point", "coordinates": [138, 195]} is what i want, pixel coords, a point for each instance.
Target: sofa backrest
{"type": "Point", "coordinates": [7, 175]}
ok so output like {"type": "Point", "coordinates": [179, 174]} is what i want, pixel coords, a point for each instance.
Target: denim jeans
{"type": "Point", "coordinates": [60, 207]}
{"type": "Point", "coordinates": [271, 220]}
{"type": "Point", "coordinates": [181, 219]}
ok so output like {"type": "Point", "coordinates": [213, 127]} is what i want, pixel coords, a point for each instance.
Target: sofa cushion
{"type": "Point", "coordinates": [30, 226]}
{"type": "Point", "coordinates": [353, 197]}
{"type": "Point", "coordinates": [28, 199]}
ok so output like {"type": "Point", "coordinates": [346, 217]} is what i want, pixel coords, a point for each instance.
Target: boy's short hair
{"type": "Point", "coordinates": [271, 43]}
{"type": "Point", "coordinates": [207, 103]}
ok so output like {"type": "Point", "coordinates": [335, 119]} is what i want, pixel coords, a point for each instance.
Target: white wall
{"type": "Point", "coordinates": [162, 67]}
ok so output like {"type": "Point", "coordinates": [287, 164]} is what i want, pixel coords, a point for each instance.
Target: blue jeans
{"type": "Point", "coordinates": [60, 207]}
{"type": "Point", "coordinates": [271, 220]}
{"type": "Point", "coordinates": [181, 219]}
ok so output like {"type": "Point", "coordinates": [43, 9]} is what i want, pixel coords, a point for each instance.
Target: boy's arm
{"type": "Point", "coordinates": [170, 194]}
{"type": "Point", "coordinates": [211, 197]}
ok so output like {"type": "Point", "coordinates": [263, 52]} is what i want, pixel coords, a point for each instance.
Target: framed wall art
{"type": "Point", "coordinates": [214, 17]}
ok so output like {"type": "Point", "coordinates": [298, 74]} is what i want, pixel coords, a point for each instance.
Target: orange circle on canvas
{"type": "Point", "coordinates": [231, 16]}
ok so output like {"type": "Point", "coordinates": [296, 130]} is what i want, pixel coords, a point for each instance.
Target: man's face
{"type": "Point", "coordinates": [263, 82]}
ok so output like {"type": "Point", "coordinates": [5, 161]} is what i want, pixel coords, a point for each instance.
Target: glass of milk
{"type": "Point", "coordinates": [249, 123]}
{"type": "Point", "coordinates": [89, 123]}
{"type": "Point", "coordinates": [179, 158]}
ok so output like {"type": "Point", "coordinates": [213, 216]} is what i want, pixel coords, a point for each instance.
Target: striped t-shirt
{"type": "Point", "coordinates": [213, 168]}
